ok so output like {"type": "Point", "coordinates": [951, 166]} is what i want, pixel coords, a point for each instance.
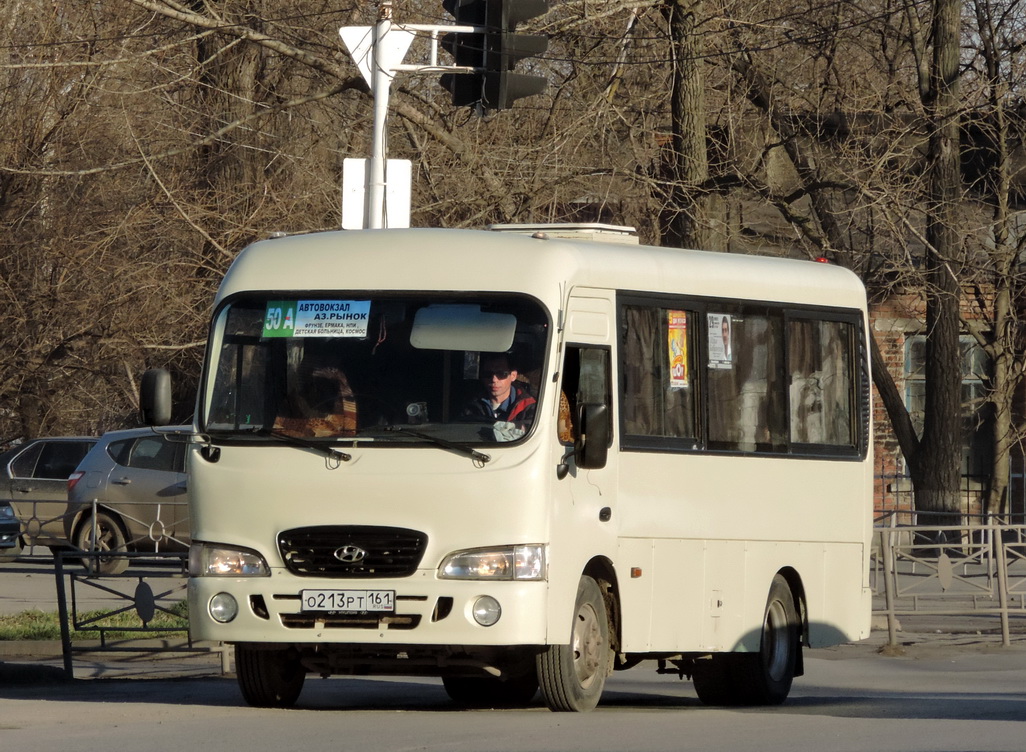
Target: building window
{"type": "Point", "coordinates": [977, 418]}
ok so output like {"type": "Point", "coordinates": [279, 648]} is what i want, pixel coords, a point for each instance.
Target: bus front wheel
{"type": "Point", "coordinates": [571, 677]}
{"type": "Point", "coordinates": [268, 678]}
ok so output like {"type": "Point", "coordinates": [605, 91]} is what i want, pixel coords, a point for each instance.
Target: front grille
{"type": "Point", "coordinates": [358, 551]}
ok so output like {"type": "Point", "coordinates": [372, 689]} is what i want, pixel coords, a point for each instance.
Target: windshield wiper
{"type": "Point", "coordinates": [451, 446]}
{"type": "Point", "coordinates": [287, 438]}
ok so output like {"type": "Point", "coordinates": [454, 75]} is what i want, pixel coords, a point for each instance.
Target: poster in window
{"type": "Point", "coordinates": [721, 350]}
{"type": "Point", "coordinates": [677, 342]}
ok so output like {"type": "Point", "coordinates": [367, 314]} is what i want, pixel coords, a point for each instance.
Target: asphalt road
{"type": "Point", "coordinates": [937, 697]}
{"type": "Point", "coordinates": [936, 693]}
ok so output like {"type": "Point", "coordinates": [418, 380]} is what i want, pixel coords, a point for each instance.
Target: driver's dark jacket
{"type": "Point", "coordinates": [521, 408]}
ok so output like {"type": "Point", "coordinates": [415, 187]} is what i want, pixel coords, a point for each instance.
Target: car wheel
{"type": "Point", "coordinates": [110, 540]}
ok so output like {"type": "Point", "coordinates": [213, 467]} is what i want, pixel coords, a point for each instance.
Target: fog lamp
{"type": "Point", "coordinates": [487, 611]}
{"type": "Point", "coordinates": [223, 608]}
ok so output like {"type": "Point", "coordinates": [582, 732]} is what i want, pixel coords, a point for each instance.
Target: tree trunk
{"type": "Point", "coordinates": [935, 474]}
{"type": "Point", "coordinates": [686, 220]}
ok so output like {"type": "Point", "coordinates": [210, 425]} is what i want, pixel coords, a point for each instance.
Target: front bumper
{"type": "Point", "coordinates": [428, 611]}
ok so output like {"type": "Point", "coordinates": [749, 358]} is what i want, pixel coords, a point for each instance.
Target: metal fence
{"type": "Point", "coordinates": [127, 593]}
{"type": "Point", "coordinates": [141, 526]}
{"type": "Point", "coordinates": [974, 566]}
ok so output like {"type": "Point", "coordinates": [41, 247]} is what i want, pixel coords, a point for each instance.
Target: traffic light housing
{"type": "Point", "coordinates": [493, 52]}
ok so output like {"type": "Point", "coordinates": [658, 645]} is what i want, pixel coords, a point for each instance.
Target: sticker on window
{"type": "Point", "coordinates": [677, 343]}
{"type": "Point", "coordinates": [721, 351]}
{"type": "Point", "coordinates": [316, 318]}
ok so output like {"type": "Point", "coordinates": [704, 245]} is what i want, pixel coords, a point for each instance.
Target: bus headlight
{"type": "Point", "coordinates": [208, 560]}
{"type": "Point", "coordinates": [506, 563]}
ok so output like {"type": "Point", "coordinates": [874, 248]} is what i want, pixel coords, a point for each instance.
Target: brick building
{"type": "Point", "coordinates": [898, 325]}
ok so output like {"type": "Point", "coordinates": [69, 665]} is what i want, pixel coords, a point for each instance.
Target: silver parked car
{"type": "Point", "coordinates": [34, 481]}
{"type": "Point", "coordinates": [129, 493]}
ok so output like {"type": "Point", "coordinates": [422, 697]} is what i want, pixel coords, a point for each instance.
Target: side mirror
{"type": "Point", "coordinates": [155, 397]}
{"type": "Point", "coordinates": [592, 445]}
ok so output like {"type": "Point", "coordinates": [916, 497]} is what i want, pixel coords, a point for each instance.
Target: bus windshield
{"type": "Point", "coordinates": [382, 368]}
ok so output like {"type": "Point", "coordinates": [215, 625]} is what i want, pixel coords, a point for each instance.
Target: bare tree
{"type": "Point", "coordinates": [137, 163]}
{"type": "Point", "coordinates": [687, 212]}
{"type": "Point", "coordinates": [993, 163]}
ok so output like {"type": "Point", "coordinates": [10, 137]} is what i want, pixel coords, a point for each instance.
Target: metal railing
{"type": "Point", "coordinates": [143, 526]}
{"type": "Point", "coordinates": [974, 566]}
{"type": "Point", "coordinates": [129, 594]}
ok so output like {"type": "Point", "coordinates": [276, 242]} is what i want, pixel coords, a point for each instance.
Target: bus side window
{"type": "Point", "coordinates": [658, 369]}
{"type": "Point", "coordinates": [821, 370]}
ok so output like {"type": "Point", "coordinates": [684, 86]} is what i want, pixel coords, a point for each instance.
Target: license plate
{"type": "Point", "coordinates": [351, 601]}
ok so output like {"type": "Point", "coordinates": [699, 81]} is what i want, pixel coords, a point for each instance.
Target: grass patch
{"type": "Point", "coordinates": [43, 625]}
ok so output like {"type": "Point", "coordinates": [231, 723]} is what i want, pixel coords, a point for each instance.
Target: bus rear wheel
{"type": "Point", "coordinates": [572, 676]}
{"type": "Point", "coordinates": [762, 678]}
{"type": "Point", "coordinates": [268, 678]}
{"type": "Point", "coordinates": [767, 675]}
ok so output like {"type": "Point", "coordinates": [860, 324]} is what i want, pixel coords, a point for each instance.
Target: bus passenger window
{"type": "Point", "coordinates": [745, 376]}
{"type": "Point", "coordinates": [821, 382]}
{"type": "Point", "coordinates": [658, 372]}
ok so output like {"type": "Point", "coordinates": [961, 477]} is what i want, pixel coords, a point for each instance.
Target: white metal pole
{"type": "Point", "coordinates": [380, 85]}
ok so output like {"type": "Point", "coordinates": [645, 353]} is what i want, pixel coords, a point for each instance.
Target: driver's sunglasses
{"type": "Point", "coordinates": [497, 374]}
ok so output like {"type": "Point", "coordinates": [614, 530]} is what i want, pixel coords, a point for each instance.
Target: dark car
{"type": "Point", "coordinates": [135, 481]}
{"type": "Point", "coordinates": [34, 481]}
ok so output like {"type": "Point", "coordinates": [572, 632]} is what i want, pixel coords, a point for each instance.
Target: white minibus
{"type": "Point", "coordinates": [520, 460]}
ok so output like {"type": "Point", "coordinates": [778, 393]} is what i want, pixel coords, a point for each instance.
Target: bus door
{"type": "Point", "coordinates": [588, 467]}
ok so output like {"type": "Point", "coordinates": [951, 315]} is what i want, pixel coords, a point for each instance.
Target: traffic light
{"type": "Point", "coordinates": [493, 52]}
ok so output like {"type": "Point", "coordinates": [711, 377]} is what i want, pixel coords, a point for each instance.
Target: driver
{"type": "Point", "coordinates": [501, 397]}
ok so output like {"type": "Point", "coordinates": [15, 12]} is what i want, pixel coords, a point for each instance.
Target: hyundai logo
{"type": "Point", "coordinates": [350, 554]}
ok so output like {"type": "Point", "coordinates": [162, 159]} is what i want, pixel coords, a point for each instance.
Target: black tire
{"type": "Point", "coordinates": [487, 692]}
{"type": "Point", "coordinates": [269, 678]}
{"type": "Point", "coordinates": [110, 539]}
{"type": "Point", "coordinates": [762, 678]}
{"type": "Point", "coordinates": [571, 677]}
{"type": "Point", "coordinates": [766, 676]}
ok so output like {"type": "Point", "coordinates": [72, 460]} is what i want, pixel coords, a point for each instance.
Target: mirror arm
{"type": "Point", "coordinates": [563, 468]}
